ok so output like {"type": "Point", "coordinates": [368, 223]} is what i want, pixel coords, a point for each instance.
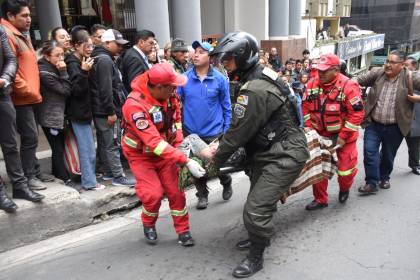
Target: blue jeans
{"type": "Point", "coordinates": [87, 154]}
{"type": "Point", "coordinates": [381, 143]}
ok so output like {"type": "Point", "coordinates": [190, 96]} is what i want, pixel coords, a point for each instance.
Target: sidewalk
{"type": "Point", "coordinates": [63, 209]}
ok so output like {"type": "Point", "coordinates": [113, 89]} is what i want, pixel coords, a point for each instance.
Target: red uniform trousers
{"type": "Point", "coordinates": [347, 170]}
{"type": "Point", "coordinates": [156, 177]}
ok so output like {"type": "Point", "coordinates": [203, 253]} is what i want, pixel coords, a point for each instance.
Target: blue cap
{"type": "Point", "coordinates": [204, 45]}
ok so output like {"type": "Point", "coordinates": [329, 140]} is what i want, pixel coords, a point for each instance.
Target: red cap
{"type": "Point", "coordinates": [164, 74]}
{"type": "Point", "coordinates": [327, 61]}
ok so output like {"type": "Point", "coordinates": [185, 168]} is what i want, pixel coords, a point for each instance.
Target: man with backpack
{"type": "Point", "coordinates": [107, 99]}
{"type": "Point", "coordinates": [333, 106]}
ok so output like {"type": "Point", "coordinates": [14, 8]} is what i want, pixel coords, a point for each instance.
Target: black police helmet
{"type": "Point", "coordinates": [242, 46]}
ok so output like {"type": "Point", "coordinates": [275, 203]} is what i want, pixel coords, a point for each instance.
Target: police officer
{"type": "Point", "coordinates": [265, 122]}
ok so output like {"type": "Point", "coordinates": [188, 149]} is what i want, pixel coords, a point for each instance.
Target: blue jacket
{"type": "Point", "coordinates": [206, 104]}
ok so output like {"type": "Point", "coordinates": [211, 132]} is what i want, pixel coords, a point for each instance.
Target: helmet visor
{"type": "Point", "coordinates": [222, 57]}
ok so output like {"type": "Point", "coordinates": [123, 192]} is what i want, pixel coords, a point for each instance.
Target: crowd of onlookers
{"type": "Point", "coordinates": [80, 77]}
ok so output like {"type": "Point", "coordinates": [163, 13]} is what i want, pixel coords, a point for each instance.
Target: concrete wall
{"type": "Point", "coordinates": [212, 17]}
{"type": "Point", "coordinates": [247, 15]}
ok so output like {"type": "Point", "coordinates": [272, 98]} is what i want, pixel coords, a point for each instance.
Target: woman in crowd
{"type": "Point", "coordinates": [79, 109]}
{"type": "Point", "coordinates": [61, 36]}
{"type": "Point", "coordinates": [55, 88]}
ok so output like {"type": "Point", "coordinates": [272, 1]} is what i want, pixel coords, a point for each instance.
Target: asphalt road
{"type": "Point", "coordinates": [375, 237]}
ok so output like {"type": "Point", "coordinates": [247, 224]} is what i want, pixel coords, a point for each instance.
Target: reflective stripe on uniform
{"type": "Point", "coordinates": [333, 127]}
{"type": "Point", "coordinates": [351, 126]}
{"type": "Point", "coordinates": [178, 125]}
{"type": "Point", "coordinates": [160, 147]}
{"type": "Point", "coordinates": [314, 125]}
{"type": "Point", "coordinates": [150, 214]}
{"type": "Point", "coordinates": [154, 109]}
{"type": "Point", "coordinates": [306, 117]}
{"type": "Point", "coordinates": [345, 172]}
{"type": "Point", "coordinates": [179, 213]}
{"type": "Point", "coordinates": [130, 142]}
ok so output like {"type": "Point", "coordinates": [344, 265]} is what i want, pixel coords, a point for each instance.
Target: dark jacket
{"type": "Point", "coordinates": [263, 109]}
{"type": "Point", "coordinates": [275, 62]}
{"type": "Point", "coordinates": [375, 78]}
{"type": "Point", "coordinates": [55, 88]}
{"type": "Point", "coordinates": [8, 64]}
{"type": "Point", "coordinates": [105, 83]}
{"type": "Point", "coordinates": [132, 65]}
{"type": "Point", "coordinates": [79, 106]}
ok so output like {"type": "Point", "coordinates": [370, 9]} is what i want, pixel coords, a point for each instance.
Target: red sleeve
{"type": "Point", "coordinates": [178, 122]}
{"type": "Point", "coordinates": [354, 106]}
{"type": "Point", "coordinates": [144, 128]}
{"type": "Point", "coordinates": [306, 109]}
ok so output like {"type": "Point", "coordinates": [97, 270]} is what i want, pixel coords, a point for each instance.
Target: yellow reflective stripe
{"type": "Point", "coordinates": [130, 142]}
{"type": "Point", "coordinates": [351, 126]}
{"type": "Point", "coordinates": [345, 172]}
{"type": "Point", "coordinates": [333, 127]}
{"type": "Point", "coordinates": [150, 214]}
{"type": "Point", "coordinates": [315, 91]}
{"type": "Point", "coordinates": [160, 147]}
{"type": "Point", "coordinates": [179, 213]}
{"type": "Point", "coordinates": [306, 117]}
{"type": "Point", "coordinates": [154, 109]}
{"type": "Point", "coordinates": [314, 124]}
{"type": "Point", "coordinates": [178, 125]}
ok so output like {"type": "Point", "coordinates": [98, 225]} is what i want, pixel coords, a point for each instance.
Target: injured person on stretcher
{"type": "Point", "coordinates": [321, 165]}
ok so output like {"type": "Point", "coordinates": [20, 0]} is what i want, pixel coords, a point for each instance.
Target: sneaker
{"type": "Point", "coordinates": [36, 184]}
{"type": "Point", "coordinates": [185, 239]}
{"type": "Point", "coordinates": [107, 177]}
{"type": "Point", "coordinates": [44, 177]}
{"type": "Point", "coordinates": [97, 187]}
{"type": "Point", "coordinates": [202, 203]}
{"type": "Point", "coordinates": [123, 181]}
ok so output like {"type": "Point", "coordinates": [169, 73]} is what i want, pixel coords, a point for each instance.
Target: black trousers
{"type": "Point", "coordinates": [413, 144]}
{"type": "Point", "coordinates": [8, 143]}
{"type": "Point", "coordinates": [55, 138]}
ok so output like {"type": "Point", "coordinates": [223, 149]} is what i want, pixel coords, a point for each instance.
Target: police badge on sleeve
{"type": "Point", "coordinates": [239, 111]}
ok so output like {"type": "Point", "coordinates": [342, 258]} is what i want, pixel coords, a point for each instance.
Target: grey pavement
{"type": "Point", "coordinates": [375, 237]}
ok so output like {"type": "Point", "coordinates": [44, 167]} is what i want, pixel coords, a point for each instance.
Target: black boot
{"type": "Point", "coordinates": [185, 239]}
{"type": "Point", "coordinates": [6, 203]}
{"type": "Point", "coordinates": [253, 262]}
{"type": "Point", "coordinates": [28, 194]}
{"type": "Point", "coordinates": [227, 188]}
{"type": "Point", "coordinates": [243, 245]}
{"type": "Point", "coordinates": [343, 196]}
{"type": "Point", "coordinates": [246, 244]}
{"type": "Point", "coordinates": [151, 235]}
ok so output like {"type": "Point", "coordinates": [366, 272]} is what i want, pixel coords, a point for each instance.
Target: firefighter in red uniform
{"type": "Point", "coordinates": [152, 133]}
{"type": "Point", "coordinates": [333, 106]}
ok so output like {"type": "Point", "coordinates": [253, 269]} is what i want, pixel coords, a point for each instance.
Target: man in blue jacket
{"type": "Point", "coordinates": [206, 110]}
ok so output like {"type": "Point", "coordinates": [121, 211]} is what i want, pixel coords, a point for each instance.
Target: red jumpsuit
{"type": "Point", "coordinates": [152, 133]}
{"type": "Point", "coordinates": [335, 109]}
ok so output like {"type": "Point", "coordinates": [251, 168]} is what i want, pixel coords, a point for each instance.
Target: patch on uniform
{"type": "Point", "coordinates": [239, 111]}
{"type": "Point", "coordinates": [142, 124]}
{"type": "Point", "coordinates": [332, 107]}
{"type": "Point", "coordinates": [355, 100]}
{"type": "Point", "coordinates": [242, 99]}
{"type": "Point", "coordinates": [270, 73]}
{"type": "Point", "coordinates": [138, 115]}
{"type": "Point", "coordinates": [157, 117]}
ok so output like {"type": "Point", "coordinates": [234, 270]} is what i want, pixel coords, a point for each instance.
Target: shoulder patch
{"type": "Point", "coordinates": [242, 99]}
{"type": "Point", "coordinates": [138, 115]}
{"type": "Point", "coordinates": [142, 124]}
{"type": "Point", "coordinates": [157, 117]}
{"type": "Point", "coordinates": [245, 86]}
{"type": "Point", "coordinates": [355, 100]}
{"type": "Point", "coordinates": [270, 73]}
{"type": "Point", "coordinates": [239, 111]}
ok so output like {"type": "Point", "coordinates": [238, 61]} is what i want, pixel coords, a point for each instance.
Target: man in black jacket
{"type": "Point", "coordinates": [134, 61]}
{"type": "Point", "coordinates": [8, 137]}
{"type": "Point", "coordinates": [107, 99]}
